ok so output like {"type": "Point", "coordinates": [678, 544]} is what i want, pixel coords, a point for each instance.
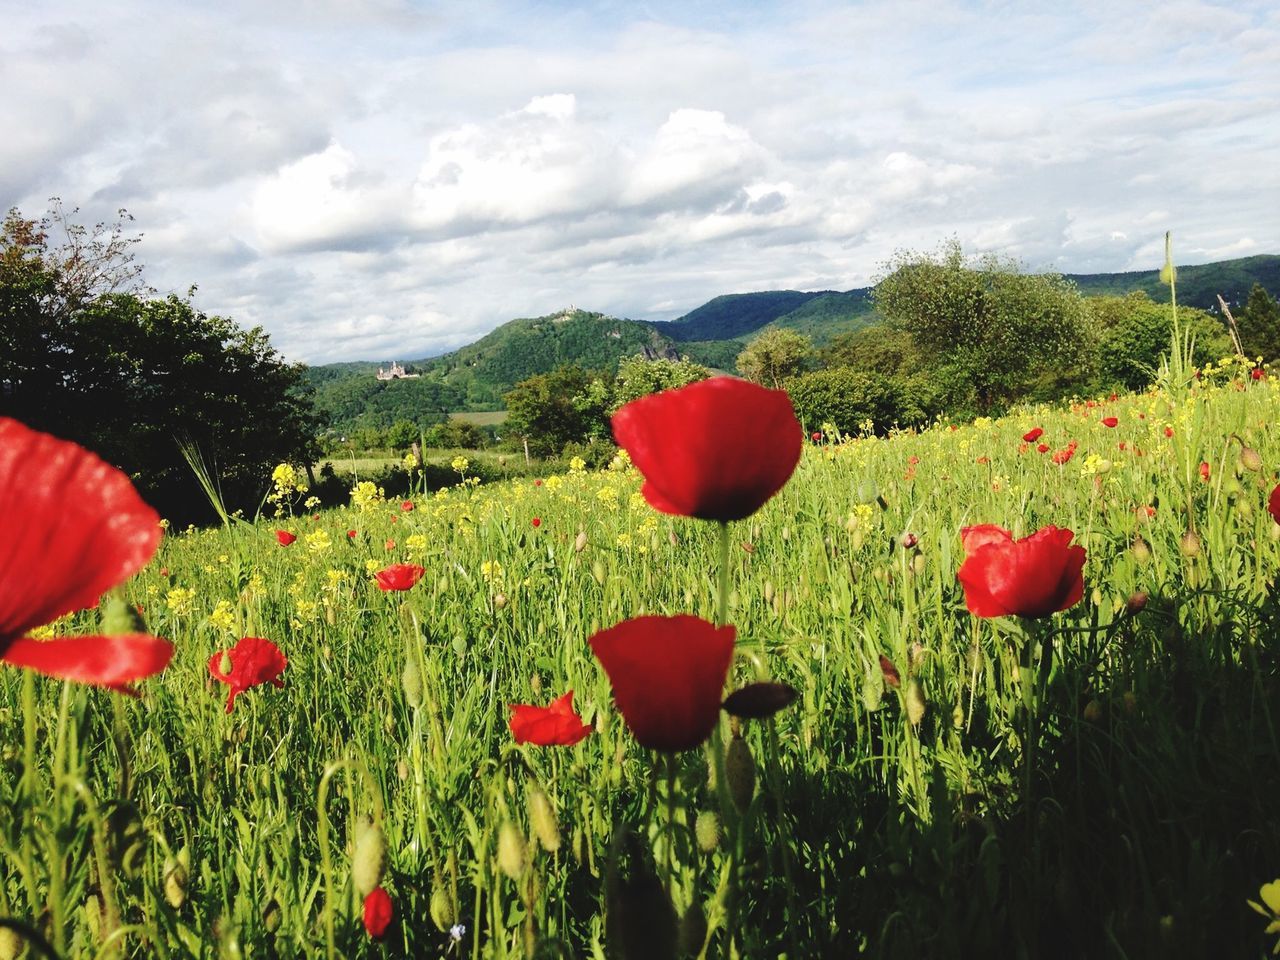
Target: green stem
{"type": "Point", "coordinates": [722, 598]}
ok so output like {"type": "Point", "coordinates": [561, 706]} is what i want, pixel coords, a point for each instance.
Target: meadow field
{"type": "Point", "coordinates": [1096, 782]}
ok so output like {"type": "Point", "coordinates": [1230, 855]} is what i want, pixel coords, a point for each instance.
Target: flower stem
{"type": "Point", "coordinates": [722, 598]}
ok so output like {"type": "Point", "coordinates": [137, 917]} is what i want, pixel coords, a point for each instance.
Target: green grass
{"type": "Point", "coordinates": [482, 418]}
{"type": "Point", "coordinates": [1121, 803]}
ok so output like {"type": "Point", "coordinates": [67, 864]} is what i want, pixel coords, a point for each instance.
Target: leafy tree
{"type": "Point", "coordinates": [999, 328]}
{"type": "Point", "coordinates": [882, 348]}
{"type": "Point", "coordinates": [453, 434]}
{"type": "Point", "coordinates": [774, 356]}
{"type": "Point", "coordinates": [1134, 332]}
{"type": "Point", "coordinates": [1259, 325]}
{"type": "Point", "coordinates": [541, 409]}
{"type": "Point", "coordinates": [638, 377]}
{"type": "Point", "coordinates": [133, 376]}
{"type": "Point", "coordinates": [844, 397]}
{"type": "Point", "coordinates": [402, 434]}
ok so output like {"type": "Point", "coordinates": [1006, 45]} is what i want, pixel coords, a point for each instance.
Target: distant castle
{"type": "Point", "coordinates": [396, 373]}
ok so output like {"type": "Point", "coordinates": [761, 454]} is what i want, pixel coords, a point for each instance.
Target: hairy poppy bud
{"type": "Point", "coordinates": [740, 773]}
{"type": "Point", "coordinates": [757, 701]}
{"type": "Point", "coordinates": [597, 571]}
{"type": "Point", "coordinates": [693, 931]}
{"type": "Point", "coordinates": [706, 829]}
{"type": "Point", "coordinates": [411, 681]}
{"type": "Point", "coordinates": [499, 600]}
{"type": "Point", "coordinates": [542, 816]}
{"type": "Point", "coordinates": [1137, 601]}
{"type": "Point", "coordinates": [1250, 460]}
{"type": "Point", "coordinates": [177, 872]}
{"type": "Point", "coordinates": [443, 915]}
{"type": "Point", "coordinates": [368, 857]}
{"type": "Point", "coordinates": [1093, 711]}
{"type": "Point", "coordinates": [511, 850]}
{"type": "Point", "coordinates": [916, 702]}
{"type": "Point", "coordinates": [1141, 552]}
{"type": "Point", "coordinates": [1189, 544]}
{"type": "Point", "coordinates": [10, 944]}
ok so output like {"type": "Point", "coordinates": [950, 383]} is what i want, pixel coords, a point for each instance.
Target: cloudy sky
{"type": "Point", "coordinates": [378, 179]}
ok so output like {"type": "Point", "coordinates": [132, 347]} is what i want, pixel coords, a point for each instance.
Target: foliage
{"type": "Point", "coordinates": [1259, 324]}
{"type": "Point", "coordinates": [133, 377]}
{"type": "Point", "coordinates": [733, 315]}
{"type": "Point", "coordinates": [1199, 285]}
{"type": "Point", "coordinates": [638, 377]}
{"type": "Point", "coordinates": [541, 409]}
{"type": "Point", "coordinates": [830, 315]}
{"type": "Point", "coordinates": [455, 433]}
{"type": "Point", "coordinates": [351, 403]}
{"type": "Point", "coordinates": [1000, 327]}
{"type": "Point", "coordinates": [774, 356]}
{"type": "Point", "coordinates": [845, 398]}
{"type": "Point", "coordinates": [883, 348]}
{"type": "Point", "coordinates": [1134, 332]}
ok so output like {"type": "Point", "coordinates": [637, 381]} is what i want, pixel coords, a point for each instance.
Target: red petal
{"type": "Point", "coordinates": [668, 676]}
{"type": "Point", "coordinates": [716, 450]}
{"type": "Point", "coordinates": [976, 537]}
{"type": "Point", "coordinates": [73, 528]}
{"type": "Point", "coordinates": [102, 661]}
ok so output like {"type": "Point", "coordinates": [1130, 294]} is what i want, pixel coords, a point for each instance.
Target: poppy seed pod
{"type": "Point", "coordinates": [368, 856]}
{"type": "Point", "coordinates": [740, 773]}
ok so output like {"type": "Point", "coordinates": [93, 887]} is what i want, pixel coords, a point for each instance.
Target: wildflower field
{"type": "Point", "coordinates": [1031, 759]}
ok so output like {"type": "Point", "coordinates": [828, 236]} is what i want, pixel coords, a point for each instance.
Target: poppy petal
{"type": "Point", "coordinates": [105, 661]}
{"type": "Point", "coordinates": [73, 525]}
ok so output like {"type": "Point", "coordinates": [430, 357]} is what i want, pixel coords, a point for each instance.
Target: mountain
{"type": "Point", "coordinates": [476, 376]}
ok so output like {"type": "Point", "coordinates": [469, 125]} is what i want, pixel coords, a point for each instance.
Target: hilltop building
{"type": "Point", "coordinates": [396, 372]}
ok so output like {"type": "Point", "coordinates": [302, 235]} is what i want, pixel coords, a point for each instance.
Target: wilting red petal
{"type": "Point", "coordinates": [399, 576]}
{"type": "Point", "coordinates": [715, 450]}
{"type": "Point", "coordinates": [254, 661]}
{"type": "Point", "coordinates": [71, 527]}
{"type": "Point", "coordinates": [1032, 577]}
{"type": "Point", "coordinates": [378, 911]}
{"type": "Point", "coordinates": [668, 676]}
{"type": "Point", "coordinates": [105, 661]}
{"type": "Point", "coordinates": [285, 537]}
{"type": "Point", "coordinates": [556, 725]}
{"type": "Point", "coordinates": [891, 675]}
{"type": "Point", "coordinates": [1273, 504]}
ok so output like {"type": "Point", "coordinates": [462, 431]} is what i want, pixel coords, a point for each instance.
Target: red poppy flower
{"type": "Point", "coordinates": [1109, 421]}
{"type": "Point", "coordinates": [556, 725]}
{"type": "Point", "coordinates": [715, 450]}
{"type": "Point", "coordinates": [74, 527]}
{"type": "Point", "coordinates": [1032, 577]}
{"type": "Point", "coordinates": [284, 537]}
{"type": "Point", "coordinates": [406, 505]}
{"type": "Point", "coordinates": [537, 483]}
{"type": "Point", "coordinates": [351, 534]}
{"type": "Point", "coordinates": [1273, 504]}
{"type": "Point", "coordinates": [668, 676]}
{"type": "Point", "coordinates": [1168, 431]}
{"type": "Point", "coordinates": [254, 661]}
{"type": "Point", "coordinates": [537, 522]}
{"type": "Point", "coordinates": [1034, 434]}
{"type": "Point", "coordinates": [378, 911]}
{"type": "Point", "coordinates": [1256, 373]}
{"type": "Point", "coordinates": [816, 437]}
{"type": "Point", "coordinates": [390, 544]}
{"type": "Point", "coordinates": [1204, 470]}
{"type": "Point", "coordinates": [1042, 448]}
{"type": "Point", "coordinates": [399, 576]}
{"type": "Point", "coordinates": [1065, 454]}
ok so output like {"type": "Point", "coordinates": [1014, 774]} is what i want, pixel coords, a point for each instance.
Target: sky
{"type": "Point", "coordinates": [385, 179]}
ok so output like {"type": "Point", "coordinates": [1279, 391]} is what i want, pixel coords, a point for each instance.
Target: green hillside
{"type": "Point", "coordinates": [733, 315]}
{"type": "Point", "coordinates": [1198, 284]}
{"type": "Point", "coordinates": [829, 314]}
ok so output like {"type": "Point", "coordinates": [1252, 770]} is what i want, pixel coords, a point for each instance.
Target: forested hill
{"type": "Point", "coordinates": [476, 376]}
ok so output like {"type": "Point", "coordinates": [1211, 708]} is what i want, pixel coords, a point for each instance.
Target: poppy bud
{"type": "Point", "coordinates": [740, 773]}
{"type": "Point", "coordinates": [1093, 711]}
{"type": "Point", "coordinates": [411, 681]}
{"type": "Point", "coordinates": [1137, 601]}
{"type": "Point", "coordinates": [916, 702]}
{"type": "Point", "coordinates": [542, 816]}
{"type": "Point", "coordinates": [177, 872]}
{"type": "Point", "coordinates": [693, 931]}
{"type": "Point", "coordinates": [757, 701]}
{"type": "Point", "coordinates": [580, 541]}
{"type": "Point", "coordinates": [402, 771]}
{"type": "Point", "coordinates": [443, 914]}
{"type": "Point", "coordinates": [768, 592]}
{"type": "Point", "coordinates": [908, 541]}
{"type": "Point", "coordinates": [511, 850]}
{"type": "Point", "coordinates": [1189, 544]}
{"type": "Point", "coordinates": [11, 944]}
{"type": "Point", "coordinates": [917, 564]}
{"type": "Point", "coordinates": [224, 665]}
{"type": "Point", "coordinates": [499, 600]}
{"type": "Point", "coordinates": [1130, 701]}
{"type": "Point", "coordinates": [872, 689]}
{"type": "Point", "coordinates": [597, 571]}
{"type": "Point", "coordinates": [368, 857]}
{"type": "Point", "coordinates": [1250, 460]}
{"type": "Point", "coordinates": [92, 916]}
{"type": "Point", "coordinates": [957, 717]}
{"type": "Point", "coordinates": [706, 829]}
{"type": "Point", "coordinates": [1141, 552]}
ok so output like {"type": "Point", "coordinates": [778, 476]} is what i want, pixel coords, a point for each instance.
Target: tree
{"type": "Point", "coordinates": [844, 397]}
{"type": "Point", "coordinates": [454, 434]}
{"type": "Point", "coordinates": [1259, 325]}
{"type": "Point", "coordinates": [134, 377]}
{"type": "Point", "coordinates": [541, 409]}
{"type": "Point", "coordinates": [999, 328]}
{"type": "Point", "coordinates": [882, 348]}
{"type": "Point", "coordinates": [639, 377]}
{"type": "Point", "coordinates": [1134, 333]}
{"type": "Point", "coordinates": [774, 356]}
